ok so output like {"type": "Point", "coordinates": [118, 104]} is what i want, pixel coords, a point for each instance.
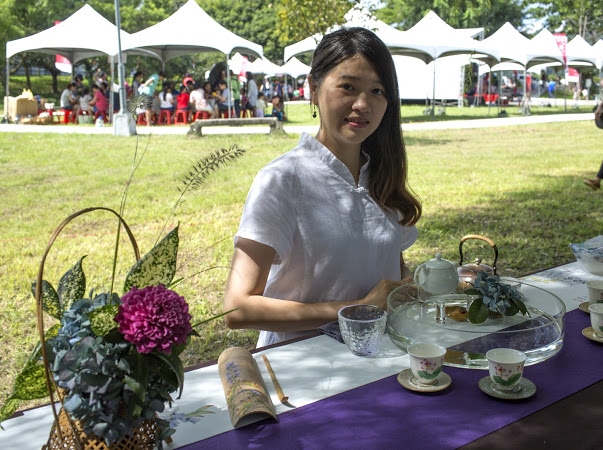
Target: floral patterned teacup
{"type": "Point", "coordinates": [426, 361]}
{"type": "Point", "coordinates": [596, 318]}
{"type": "Point", "coordinates": [506, 367]}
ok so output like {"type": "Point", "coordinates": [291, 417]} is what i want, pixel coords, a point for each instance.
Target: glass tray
{"type": "Point", "coordinates": [413, 319]}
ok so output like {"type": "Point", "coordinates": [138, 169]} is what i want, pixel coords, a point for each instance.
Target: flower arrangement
{"type": "Point", "coordinates": [493, 297]}
{"type": "Point", "coordinates": [113, 361]}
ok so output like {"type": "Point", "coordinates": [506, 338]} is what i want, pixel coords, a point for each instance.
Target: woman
{"type": "Point", "coordinates": [166, 98]}
{"type": "Point", "coordinates": [199, 100]}
{"type": "Point", "coordinates": [324, 225]}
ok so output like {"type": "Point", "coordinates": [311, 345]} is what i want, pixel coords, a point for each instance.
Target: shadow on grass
{"type": "Point", "coordinates": [532, 228]}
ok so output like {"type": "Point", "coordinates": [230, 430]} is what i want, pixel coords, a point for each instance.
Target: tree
{"type": "Point", "coordinates": [489, 14]}
{"type": "Point", "coordinates": [302, 18]}
{"type": "Point", "coordinates": [10, 29]}
{"type": "Point", "coordinates": [572, 17]}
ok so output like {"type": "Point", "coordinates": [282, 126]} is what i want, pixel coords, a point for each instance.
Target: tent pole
{"type": "Point", "coordinates": [7, 90]}
{"type": "Point", "coordinates": [228, 99]}
{"type": "Point", "coordinates": [433, 90]}
{"type": "Point", "coordinates": [120, 64]}
{"type": "Point", "coordinates": [489, 91]}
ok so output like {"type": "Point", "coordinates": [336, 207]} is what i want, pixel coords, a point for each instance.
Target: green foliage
{"type": "Point", "coordinates": [102, 320]}
{"type": "Point", "coordinates": [489, 14]}
{"type": "Point", "coordinates": [573, 17]}
{"type": "Point", "coordinates": [156, 267]}
{"type": "Point", "coordinates": [495, 296]}
{"type": "Point", "coordinates": [302, 18]}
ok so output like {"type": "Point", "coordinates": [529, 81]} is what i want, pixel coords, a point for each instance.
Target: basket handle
{"type": "Point", "coordinates": [482, 238]}
{"type": "Point", "coordinates": [39, 311]}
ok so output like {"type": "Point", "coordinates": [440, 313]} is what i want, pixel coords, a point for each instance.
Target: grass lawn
{"type": "Point", "coordinates": [520, 186]}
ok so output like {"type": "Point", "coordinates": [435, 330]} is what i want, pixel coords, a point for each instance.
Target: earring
{"type": "Point", "coordinates": [314, 112]}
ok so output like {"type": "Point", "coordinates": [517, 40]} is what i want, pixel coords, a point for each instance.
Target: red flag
{"type": "Point", "coordinates": [561, 39]}
{"type": "Point", "coordinates": [62, 63]}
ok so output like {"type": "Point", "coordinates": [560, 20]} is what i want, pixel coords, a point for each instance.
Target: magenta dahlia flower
{"type": "Point", "coordinates": [154, 318]}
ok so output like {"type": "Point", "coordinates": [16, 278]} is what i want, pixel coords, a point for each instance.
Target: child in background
{"type": "Point", "coordinates": [277, 108]}
{"type": "Point", "coordinates": [99, 101]}
{"type": "Point", "coordinates": [85, 102]}
{"type": "Point", "coordinates": [183, 102]}
{"type": "Point", "coordinates": [260, 106]}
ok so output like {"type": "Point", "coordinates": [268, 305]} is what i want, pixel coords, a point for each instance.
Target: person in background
{"type": "Point", "coordinates": [244, 99]}
{"type": "Point", "coordinates": [277, 108]}
{"type": "Point", "coordinates": [252, 93]}
{"type": "Point", "coordinates": [166, 98]}
{"type": "Point", "coordinates": [260, 105]}
{"type": "Point", "coordinates": [595, 183]}
{"type": "Point", "coordinates": [136, 82]}
{"type": "Point", "coordinates": [235, 87]}
{"type": "Point", "coordinates": [69, 101]}
{"type": "Point", "coordinates": [148, 89]}
{"type": "Point", "coordinates": [325, 225]}
{"type": "Point", "coordinates": [183, 102]}
{"type": "Point", "coordinates": [224, 97]}
{"type": "Point", "coordinates": [85, 107]}
{"type": "Point", "coordinates": [199, 100]}
{"type": "Point", "coordinates": [99, 100]}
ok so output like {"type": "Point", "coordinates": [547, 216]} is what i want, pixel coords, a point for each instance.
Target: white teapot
{"type": "Point", "coordinates": [437, 276]}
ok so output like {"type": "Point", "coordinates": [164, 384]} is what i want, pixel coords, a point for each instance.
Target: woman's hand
{"type": "Point", "coordinates": [378, 295]}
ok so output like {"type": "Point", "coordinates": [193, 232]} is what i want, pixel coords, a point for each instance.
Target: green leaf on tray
{"type": "Point", "coordinates": [30, 383]}
{"type": "Point", "coordinates": [50, 299]}
{"type": "Point", "coordinates": [156, 267]}
{"type": "Point", "coordinates": [478, 311]}
{"type": "Point", "coordinates": [101, 319]}
{"type": "Point", "coordinates": [72, 285]}
{"type": "Point", "coordinates": [8, 409]}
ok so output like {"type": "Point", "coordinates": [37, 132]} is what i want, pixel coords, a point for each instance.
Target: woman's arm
{"type": "Point", "coordinates": [245, 286]}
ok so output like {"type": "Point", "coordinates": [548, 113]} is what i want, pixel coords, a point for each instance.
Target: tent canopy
{"type": "Point", "coordinates": [429, 39]}
{"type": "Point", "coordinates": [295, 68]}
{"type": "Point", "coordinates": [598, 48]}
{"type": "Point", "coordinates": [578, 50]}
{"type": "Point", "coordinates": [76, 38]}
{"type": "Point", "coordinates": [191, 30]}
{"type": "Point", "coordinates": [265, 66]}
{"type": "Point", "coordinates": [543, 49]}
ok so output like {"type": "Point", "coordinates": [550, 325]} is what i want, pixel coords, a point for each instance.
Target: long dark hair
{"type": "Point", "coordinates": [388, 170]}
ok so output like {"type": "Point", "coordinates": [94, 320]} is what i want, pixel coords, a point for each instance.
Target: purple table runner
{"type": "Point", "coordinates": [383, 414]}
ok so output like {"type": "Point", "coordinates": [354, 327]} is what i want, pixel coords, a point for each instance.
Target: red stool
{"type": "Point", "coordinates": [181, 117]}
{"type": "Point", "coordinates": [225, 114]}
{"type": "Point", "coordinates": [98, 114]}
{"type": "Point", "coordinates": [244, 113]}
{"type": "Point", "coordinates": [68, 116]}
{"type": "Point", "coordinates": [142, 119]}
{"type": "Point", "coordinates": [165, 118]}
{"type": "Point", "coordinates": [201, 115]}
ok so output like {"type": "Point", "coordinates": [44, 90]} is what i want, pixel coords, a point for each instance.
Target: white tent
{"type": "Point", "coordinates": [191, 30]}
{"type": "Point", "coordinates": [543, 49]}
{"type": "Point", "coordinates": [578, 50]}
{"type": "Point", "coordinates": [598, 48]}
{"type": "Point", "coordinates": [295, 68]}
{"type": "Point", "coordinates": [76, 38]}
{"type": "Point", "coordinates": [265, 66]}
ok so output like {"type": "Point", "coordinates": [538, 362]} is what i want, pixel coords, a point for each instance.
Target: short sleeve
{"type": "Point", "coordinates": [269, 215]}
{"type": "Point", "coordinates": [409, 237]}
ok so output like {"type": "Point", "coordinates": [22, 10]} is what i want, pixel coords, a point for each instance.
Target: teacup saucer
{"type": "Point", "coordinates": [408, 380]}
{"type": "Point", "coordinates": [526, 389]}
{"type": "Point", "coordinates": [584, 307]}
{"type": "Point", "coordinates": [589, 333]}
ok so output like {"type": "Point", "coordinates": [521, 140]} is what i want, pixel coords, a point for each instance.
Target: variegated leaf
{"type": "Point", "coordinates": [72, 285]}
{"type": "Point", "coordinates": [8, 409]}
{"type": "Point", "coordinates": [156, 267]}
{"type": "Point", "coordinates": [30, 383]}
{"type": "Point", "coordinates": [36, 354]}
{"type": "Point", "coordinates": [50, 299]}
{"type": "Point", "coordinates": [101, 319]}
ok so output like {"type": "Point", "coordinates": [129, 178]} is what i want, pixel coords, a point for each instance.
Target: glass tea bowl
{"type": "Point", "coordinates": [416, 318]}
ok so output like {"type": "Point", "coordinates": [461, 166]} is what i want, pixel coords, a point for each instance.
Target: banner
{"type": "Point", "coordinates": [561, 39]}
{"type": "Point", "coordinates": [62, 63]}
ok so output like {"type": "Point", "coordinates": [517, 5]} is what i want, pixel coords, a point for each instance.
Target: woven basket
{"type": "Point", "coordinates": [142, 437]}
{"type": "Point", "coordinates": [66, 433]}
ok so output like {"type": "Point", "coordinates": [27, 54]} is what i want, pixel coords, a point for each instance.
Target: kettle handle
{"type": "Point", "coordinates": [416, 276]}
{"type": "Point", "coordinates": [482, 238]}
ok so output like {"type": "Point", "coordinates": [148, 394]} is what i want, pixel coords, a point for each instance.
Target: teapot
{"type": "Point", "coordinates": [468, 272]}
{"type": "Point", "coordinates": [437, 276]}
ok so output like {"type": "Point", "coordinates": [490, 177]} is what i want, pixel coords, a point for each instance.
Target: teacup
{"type": "Point", "coordinates": [596, 318]}
{"type": "Point", "coordinates": [426, 361]}
{"type": "Point", "coordinates": [506, 367]}
{"type": "Point", "coordinates": [595, 291]}
{"type": "Point", "coordinates": [362, 327]}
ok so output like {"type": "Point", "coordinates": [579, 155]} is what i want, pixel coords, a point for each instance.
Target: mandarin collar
{"type": "Point", "coordinates": [325, 155]}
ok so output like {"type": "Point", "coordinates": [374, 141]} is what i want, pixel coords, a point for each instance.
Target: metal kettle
{"type": "Point", "coordinates": [468, 272]}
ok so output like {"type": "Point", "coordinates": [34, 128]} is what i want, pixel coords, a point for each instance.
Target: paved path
{"type": "Point", "coordinates": [180, 130]}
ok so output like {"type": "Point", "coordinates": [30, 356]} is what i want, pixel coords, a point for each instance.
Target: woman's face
{"type": "Point", "coordinates": [352, 102]}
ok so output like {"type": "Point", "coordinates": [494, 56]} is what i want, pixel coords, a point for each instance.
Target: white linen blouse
{"type": "Point", "coordinates": [332, 240]}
